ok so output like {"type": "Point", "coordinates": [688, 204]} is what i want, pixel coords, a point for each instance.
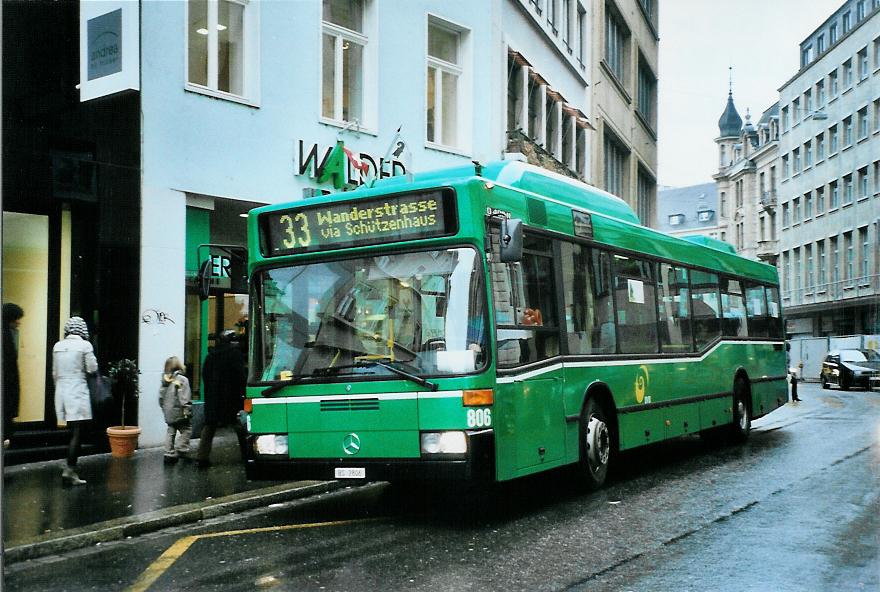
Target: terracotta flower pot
{"type": "Point", "coordinates": [123, 440]}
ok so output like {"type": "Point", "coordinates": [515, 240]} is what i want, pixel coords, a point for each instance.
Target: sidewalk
{"type": "Point", "coordinates": [128, 496]}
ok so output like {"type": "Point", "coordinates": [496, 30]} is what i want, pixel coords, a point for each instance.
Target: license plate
{"type": "Point", "coordinates": [350, 473]}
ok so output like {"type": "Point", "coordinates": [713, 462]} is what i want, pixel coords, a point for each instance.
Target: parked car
{"type": "Point", "coordinates": [851, 367]}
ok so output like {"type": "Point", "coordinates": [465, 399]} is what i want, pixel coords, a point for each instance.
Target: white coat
{"type": "Point", "coordinates": [72, 357]}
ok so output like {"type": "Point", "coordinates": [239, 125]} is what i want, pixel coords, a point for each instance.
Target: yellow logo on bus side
{"type": "Point", "coordinates": [641, 385]}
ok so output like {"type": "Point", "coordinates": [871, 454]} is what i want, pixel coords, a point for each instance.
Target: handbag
{"type": "Point", "coordinates": [99, 391]}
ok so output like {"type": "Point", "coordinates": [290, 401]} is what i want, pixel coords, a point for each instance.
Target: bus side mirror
{"type": "Point", "coordinates": [511, 240]}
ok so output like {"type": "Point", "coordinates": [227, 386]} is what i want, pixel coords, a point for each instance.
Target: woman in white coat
{"type": "Point", "coordinates": [72, 358]}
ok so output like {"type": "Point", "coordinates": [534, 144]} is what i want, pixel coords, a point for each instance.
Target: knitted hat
{"type": "Point", "coordinates": [76, 326]}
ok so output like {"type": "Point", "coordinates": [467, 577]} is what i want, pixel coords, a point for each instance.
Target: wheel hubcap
{"type": "Point", "coordinates": [743, 415]}
{"type": "Point", "coordinates": [598, 442]}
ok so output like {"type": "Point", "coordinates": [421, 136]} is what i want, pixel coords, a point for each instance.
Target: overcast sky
{"type": "Point", "coordinates": [699, 39]}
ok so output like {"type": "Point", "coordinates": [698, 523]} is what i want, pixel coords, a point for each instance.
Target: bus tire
{"type": "Point", "coordinates": [596, 443]}
{"type": "Point", "coordinates": [742, 415]}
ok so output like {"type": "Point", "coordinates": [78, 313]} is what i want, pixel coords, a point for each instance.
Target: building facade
{"type": "Point", "coordinates": [746, 181]}
{"type": "Point", "coordinates": [126, 171]}
{"type": "Point", "coordinates": [625, 45]}
{"type": "Point", "coordinates": [829, 189]}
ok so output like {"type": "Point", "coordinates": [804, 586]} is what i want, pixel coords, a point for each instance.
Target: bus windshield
{"type": "Point", "coordinates": [418, 313]}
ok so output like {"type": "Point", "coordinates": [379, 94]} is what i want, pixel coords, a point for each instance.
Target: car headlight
{"type": "Point", "coordinates": [443, 443]}
{"type": "Point", "coordinates": [271, 444]}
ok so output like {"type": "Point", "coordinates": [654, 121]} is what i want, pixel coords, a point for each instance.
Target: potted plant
{"type": "Point", "coordinates": [124, 375]}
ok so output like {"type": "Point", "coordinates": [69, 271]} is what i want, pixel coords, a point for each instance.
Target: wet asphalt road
{"type": "Point", "coordinates": [796, 508]}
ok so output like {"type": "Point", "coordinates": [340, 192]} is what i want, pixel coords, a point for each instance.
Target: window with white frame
{"type": "Point", "coordinates": [820, 94]}
{"type": "Point", "coordinates": [847, 73]}
{"type": "Point", "coordinates": [343, 60]}
{"type": "Point", "coordinates": [444, 67]}
{"type": "Point", "coordinates": [832, 83]}
{"type": "Point", "coordinates": [221, 47]}
{"type": "Point", "coordinates": [862, 122]}
{"type": "Point", "coordinates": [862, 58]}
{"type": "Point", "coordinates": [582, 34]}
{"type": "Point", "coordinates": [865, 252]}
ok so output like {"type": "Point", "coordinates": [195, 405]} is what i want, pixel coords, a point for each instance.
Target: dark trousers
{"type": "Point", "coordinates": [75, 428]}
{"type": "Point", "coordinates": [206, 440]}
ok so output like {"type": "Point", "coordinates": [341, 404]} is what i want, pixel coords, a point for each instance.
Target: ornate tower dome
{"type": "Point", "coordinates": [730, 123]}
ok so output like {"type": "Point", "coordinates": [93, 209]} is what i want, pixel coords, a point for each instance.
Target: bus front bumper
{"type": "Point", "coordinates": [477, 464]}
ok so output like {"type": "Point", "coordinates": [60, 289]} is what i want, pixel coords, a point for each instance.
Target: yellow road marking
{"type": "Point", "coordinates": [175, 551]}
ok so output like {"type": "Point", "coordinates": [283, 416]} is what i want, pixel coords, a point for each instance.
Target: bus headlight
{"type": "Point", "coordinates": [271, 444]}
{"type": "Point", "coordinates": [444, 443]}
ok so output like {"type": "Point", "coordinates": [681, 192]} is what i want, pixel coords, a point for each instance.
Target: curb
{"type": "Point", "coordinates": [121, 528]}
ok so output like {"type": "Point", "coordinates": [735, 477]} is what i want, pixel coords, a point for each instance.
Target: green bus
{"type": "Point", "coordinates": [490, 322]}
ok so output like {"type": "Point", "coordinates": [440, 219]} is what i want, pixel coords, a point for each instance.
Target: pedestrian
{"type": "Point", "coordinates": [223, 382]}
{"type": "Point", "coordinates": [794, 385]}
{"type": "Point", "coordinates": [72, 358]}
{"type": "Point", "coordinates": [175, 399]}
{"type": "Point", "coordinates": [12, 314]}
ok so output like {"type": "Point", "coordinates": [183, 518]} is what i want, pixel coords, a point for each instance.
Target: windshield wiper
{"type": "Point", "coordinates": [387, 366]}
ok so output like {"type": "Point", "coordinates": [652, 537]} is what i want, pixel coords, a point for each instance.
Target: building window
{"type": "Point", "coordinates": [647, 190]}
{"type": "Point", "coordinates": [820, 44]}
{"type": "Point", "coordinates": [863, 183]}
{"type": "Point", "coordinates": [847, 22]}
{"type": "Point", "coordinates": [850, 255]}
{"type": "Point", "coordinates": [808, 262]}
{"type": "Point", "coordinates": [786, 273]}
{"type": "Point", "coordinates": [832, 139]}
{"type": "Point", "coordinates": [877, 115]}
{"type": "Point", "coordinates": [616, 41]}
{"type": "Point", "coordinates": [808, 155]}
{"type": "Point", "coordinates": [676, 219]}
{"type": "Point", "coordinates": [581, 34]}
{"type": "Point", "coordinates": [785, 119]}
{"type": "Point", "coordinates": [820, 200]}
{"type": "Point", "coordinates": [860, 10]}
{"type": "Point", "coordinates": [835, 194]}
{"type": "Point", "coordinates": [866, 252]}
{"type": "Point", "coordinates": [551, 14]}
{"type": "Point", "coordinates": [444, 73]}
{"type": "Point", "coordinates": [221, 38]}
{"type": "Point", "coordinates": [808, 205]}
{"type": "Point", "coordinates": [820, 94]}
{"type": "Point", "coordinates": [820, 146]}
{"type": "Point", "coordinates": [796, 161]}
{"type": "Point", "coordinates": [847, 131]}
{"type": "Point", "coordinates": [832, 34]}
{"type": "Point", "coordinates": [343, 48]}
{"type": "Point", "coordinates": [847, 189]}
{"type": "Point", "coordinates": [847, 73]}
{"type": "Point", "coordinates": [785, 170]}
{"type": "Point", "coordinates": [862, 122]}
{"type": "Point", "coordinates": [647, 104]}
{"type": "Point", "coordinates": [808, 102]}
{"type": "Point", "coordinates": [796, 210]}
{"type": "Point", "coordinates": [564, 23]}
{"type": "Point", "coordinates": [832, 83]}
{"type": "Point", "coordinates": [835, 260]}
{"type": "Point", "coordinates": [796, 113]}
{"type": "Point", "coordinates": [820, 246]}
{"type": "Point", "coordinates": [877, 177]}
{"type": "Point", "coordinates": [877, 53]}
{"type": "Point", "coordinates": [615, 165]}
{"type": "Point", "coordinates": [806, 55]}
{"type": "Point", "coordinates": [862, 57]}
{"type": "Point", "coordinates": [786, 219]}
{"type": "Point", "coordinates": [514, 93]}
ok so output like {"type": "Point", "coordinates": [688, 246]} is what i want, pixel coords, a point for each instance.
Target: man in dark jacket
{"type": "Point", "coordinates": [12, 314]}
{"type": "Point", "coordinates": [223, 382]}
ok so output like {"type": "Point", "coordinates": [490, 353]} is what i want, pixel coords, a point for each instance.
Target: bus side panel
{"type": "Point", "coordinates": [767, 396]}
{"type": "Point", "coordinates": [268, 419]}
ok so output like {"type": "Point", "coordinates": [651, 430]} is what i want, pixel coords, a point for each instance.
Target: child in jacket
{"type": "Point", "coordinates": [175, 398]}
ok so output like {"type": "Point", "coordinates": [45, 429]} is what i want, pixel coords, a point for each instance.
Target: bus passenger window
{"type": "Point", "coordinates": [635, 293]}
{"type": "Point", "coordinates": [774, 313]}
{"type": "Point", "coordinates": [705, 307]}
{"type": "Point", "coordinates": [589, 313]}
{"type": "Point", "coordinates": [525, 305]}
{"type": "Point", "coordinates": [673, 304]}
{"type": "Point", "coordinates": [733, 309]}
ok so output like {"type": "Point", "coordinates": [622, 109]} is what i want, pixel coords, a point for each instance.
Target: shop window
{"type": "Point", "coordinates": [222, 48]}
{"type": "Point", "coordinates": [635, 296]}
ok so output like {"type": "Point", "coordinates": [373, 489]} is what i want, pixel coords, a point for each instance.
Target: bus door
{"type": "Point", "coordinates": [531, 427]}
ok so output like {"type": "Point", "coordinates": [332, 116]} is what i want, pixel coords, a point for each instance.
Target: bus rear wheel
{"type": "Point", "coordinates": [742, 418]}
{"type": "Point", "coordinates": [595, 446]}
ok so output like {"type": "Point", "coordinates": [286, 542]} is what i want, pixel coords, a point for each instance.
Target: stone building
{"type": "Point", "coordinates": [625, 44]}
{"type": "Point", "coordinates": [746, 181]}
{"type": "Point", "coordinates": [685, 211]}
{"type": "Point", "coordinates": [829, 188]}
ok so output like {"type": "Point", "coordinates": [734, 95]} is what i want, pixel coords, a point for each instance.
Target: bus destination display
{"type": "Point", "coordinates": [373, 221]}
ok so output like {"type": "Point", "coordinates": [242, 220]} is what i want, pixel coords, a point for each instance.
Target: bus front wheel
{"type": "Point", "coordinates": [742, 418]}
{"type": "Point", "coordinates": [595, 446]}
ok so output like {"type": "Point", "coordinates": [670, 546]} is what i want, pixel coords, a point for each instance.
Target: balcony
{"type": "Point", "coordinates": [768, 250]}
{"type": "Point", "coordinates": [768, 200]}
